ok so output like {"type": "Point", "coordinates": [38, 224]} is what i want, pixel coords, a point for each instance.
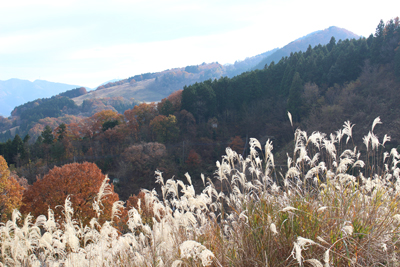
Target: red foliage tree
{"type": "Point", "coordinates": [81, 182]}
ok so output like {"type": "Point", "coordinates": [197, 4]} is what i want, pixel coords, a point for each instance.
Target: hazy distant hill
{"type": "Point", "coordinates": [15, 92]}
{"type": "Point", "coordinates": [319, 37]}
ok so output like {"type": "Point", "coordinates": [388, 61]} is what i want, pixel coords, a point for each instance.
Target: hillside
{"type": "Point", "coordinates": [319, 37]}
{"type": "Point", "coordinates": [127, 90]}
{"type": "Point", "coordinates": [15, 92]}
{"type": "Point", "coordinates": [150, 87]}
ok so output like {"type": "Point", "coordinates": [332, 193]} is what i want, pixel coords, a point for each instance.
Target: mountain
{"type": "Point", "coordinates": [150, 87]}
{"type": "Point", "coordinates": [315, 38]}
{"type": "Point", "coordinates": [15, 92]}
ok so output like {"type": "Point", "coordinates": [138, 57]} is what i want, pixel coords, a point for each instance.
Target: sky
{"type": "Point", "coordinates": [90, 42]}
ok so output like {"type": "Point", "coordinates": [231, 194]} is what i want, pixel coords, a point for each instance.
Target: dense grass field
{"type": "Point", "coordinates": [333, 206]}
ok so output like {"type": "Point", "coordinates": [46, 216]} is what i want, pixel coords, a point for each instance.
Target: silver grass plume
{"type": "Point", "coordinates": [290, 118]}
{"type": "Point", "coordinates": [348, 130]}
{"type": "Point", "coordinates": [105, 189]}
{"type": "Point", "coordinates": [377, 120]}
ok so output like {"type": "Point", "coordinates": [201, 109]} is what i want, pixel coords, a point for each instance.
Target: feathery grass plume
{"type": "Point", "coordinates": [300, 245]}
{"type": "Point", "coordinates": [116, 209]}
{"type": "Point", "coordinates": [288, 209]}
{"type": "Point", "coordinates": [316, 139]}
{"type": "Point", "coordinates": [188, 178]}
{"type": "Point", "coordinates": [347, 130]}
{"type": "Point", "coordinates": [376, 121]}
{"type": "Point", "coordinates": [290, 118]}
{"type": "Point", "coordinates": [105, 189]}
{"type": "Point", "coordinates": [374, 141]}
{"type": "Point", "coordinates": [367, 139]}
{"type": "Point", "coordinates": [386, 138]}
{"type": "Point", "coordinates": [272, 227]}
{"type": "Point", "coordinates": [192, 249]}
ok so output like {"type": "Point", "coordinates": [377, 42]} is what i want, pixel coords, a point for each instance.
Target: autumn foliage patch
{"type": "Point", "coordinates": [78, 181]}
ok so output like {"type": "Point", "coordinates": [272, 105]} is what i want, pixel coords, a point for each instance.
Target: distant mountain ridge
{"type": "Point", "coordinates": [15, 92]}
{"type": "Point", "coordinates": [156, 86]}
{"type": "Point", "coordinates": [301, 44]}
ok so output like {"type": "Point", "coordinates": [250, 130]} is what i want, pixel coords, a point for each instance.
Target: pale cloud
{"type": "Point", "coordinates": [36, 41]}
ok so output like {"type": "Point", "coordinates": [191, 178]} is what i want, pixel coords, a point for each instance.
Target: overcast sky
{"type": "Point", "coordinates": [90, 42]}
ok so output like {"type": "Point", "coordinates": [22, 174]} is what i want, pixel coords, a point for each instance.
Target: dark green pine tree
{"type": "Point", "coordinates": [294, 99]}
{"type": "Point", "coordinates": [26, 139]}
{"type": "Point", "coordinates": [286, 80]}
{"type": "Point", "coordinates": [331, 44]}
{"type": "Point", "coordinates": [47, 135]}
{"type": "Point", "coordinates": [18, 149]}
{"type": "Point", "coordinates": [61, 131]}
{"type": "Point", "coordinates": [25, 155]}
{"type": "Point", "coordinates": [8, 152]}
{"type": "Point", "coordinates": [189, 98]}
{"type": "Point", "coordinates": [377, 43]}
{"type": "Point", "coordinates": [17, 145]}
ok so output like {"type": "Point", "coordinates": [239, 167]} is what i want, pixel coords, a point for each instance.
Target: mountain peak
{"type": "Point", "coordinates": [301, 44]}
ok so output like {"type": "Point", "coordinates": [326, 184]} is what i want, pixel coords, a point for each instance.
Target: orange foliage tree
{"type": "Point", "coordinates": [10, 191]}
{"type": "Point", "coordinates": [144, 113]}
{"type": "Point", "coordinates": [80, 181]}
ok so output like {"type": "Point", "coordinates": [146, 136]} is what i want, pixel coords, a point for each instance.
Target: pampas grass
{"type": "Point", "coordinates": [332, 207]}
